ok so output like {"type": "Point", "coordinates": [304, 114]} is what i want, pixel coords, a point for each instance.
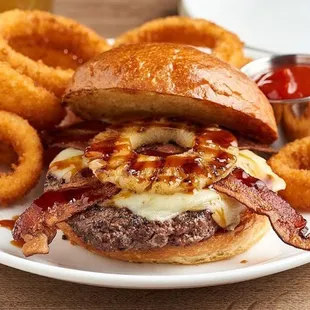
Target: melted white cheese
{"type": "Point", "coordinates": [66, 171]}
{"type": "Point", "coordinates": [257, 167]}
{"type": "Point", "coordinates": [66, 154]}
{"type": "Point", "coordinates": [156, 207]}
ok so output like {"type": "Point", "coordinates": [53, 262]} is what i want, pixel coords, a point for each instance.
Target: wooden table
{"type": "Point", "coordinates": [20, 290]}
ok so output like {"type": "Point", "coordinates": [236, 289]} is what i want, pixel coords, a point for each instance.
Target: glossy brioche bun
{"type": "Point", "coordinates": [170, 79]}
{"type": "Point", "coordinates": [222, 245]}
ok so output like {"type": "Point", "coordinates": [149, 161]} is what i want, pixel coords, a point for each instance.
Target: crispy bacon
{"type": "Point", "coordinates": [254, 194]}
{"type": "Point", "coordinates": [37, 225]}
{"type": "Point", "coordinates": [79, 134]}
{"type": "Point", "coordinates": [246, 144]}
{"type": "Point", "coordinates": [81, 179]}
{"type": "Point", "coordinates": [76, 136]}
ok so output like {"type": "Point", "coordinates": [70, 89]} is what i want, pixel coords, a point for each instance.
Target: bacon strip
{"type": "Point", "coordinates": [81, 179]}
{"type": "Point", "coordinates": [36, 226]}
{"type": "Point", "coordinates": [246, 144]}
{"type": "Point", "coordinates": [254, 194]}
{"type": "Point", "coordinates": [76, 136]}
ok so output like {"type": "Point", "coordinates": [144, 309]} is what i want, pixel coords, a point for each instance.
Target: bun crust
{"type": "Point", "coordinates": [170, 79]}
{"type": "Point", "coordinates": [222, 245]}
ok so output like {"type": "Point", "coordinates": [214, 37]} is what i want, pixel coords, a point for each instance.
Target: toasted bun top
{"type": "Point", "coordinates": [170, 79]}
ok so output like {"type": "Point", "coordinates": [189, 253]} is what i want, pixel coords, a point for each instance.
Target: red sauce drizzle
{"type": "Point", "coordinates": [289, 82]}
{"type": "Point", "coordinates": [48, 199]}
{"type": "Point", "coordinates": [247, 179]}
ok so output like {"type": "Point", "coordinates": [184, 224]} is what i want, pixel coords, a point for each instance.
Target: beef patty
{"type": "Point", "coordinates": [113, 229]}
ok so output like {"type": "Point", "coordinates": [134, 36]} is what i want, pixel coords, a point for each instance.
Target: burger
{"type": "Point", "coordinates": [163, 169]}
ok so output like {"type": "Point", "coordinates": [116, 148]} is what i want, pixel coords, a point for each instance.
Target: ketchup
{"type": "Point", "coordinates": [289, 82]}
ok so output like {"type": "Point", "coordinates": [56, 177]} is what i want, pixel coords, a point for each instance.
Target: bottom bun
{"type": "Point", "coordinates": [222, 245]}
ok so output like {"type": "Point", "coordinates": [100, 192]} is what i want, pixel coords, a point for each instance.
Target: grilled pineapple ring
{"type": "Point", "coordinates": [210, 154]}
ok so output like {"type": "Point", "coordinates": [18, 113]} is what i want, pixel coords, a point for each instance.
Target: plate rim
{"type": "Point", "coordinates": [113, 280]}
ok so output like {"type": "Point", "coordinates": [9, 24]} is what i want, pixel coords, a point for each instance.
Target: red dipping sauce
{"type": "Point", "coordinates": [290, 82]}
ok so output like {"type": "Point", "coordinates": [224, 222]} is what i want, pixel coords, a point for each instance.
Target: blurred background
{"type": "Point", "coordinates": [107, 17]}
{"type": "Point", "coordinates": [112, 17]}
{"type": "Point", "coordinates": [277, 26]}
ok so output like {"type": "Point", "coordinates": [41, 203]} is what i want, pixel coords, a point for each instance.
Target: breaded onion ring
{"type": "Point", "coordinates": [20, 95]}
{"type": "Point", "coordinates": [198, 32]}
{"type": "Point", "coordinates": [16, 132]}
{"type": "Point", "coordinates": [292, 163]}
{"type": "Point", "coordinates": [208, 154]}
{"type": "Point", "coordinates": [29, 38]}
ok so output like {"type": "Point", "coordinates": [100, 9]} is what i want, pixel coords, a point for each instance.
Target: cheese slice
{"type": "Point", "coordinates": [155, 207]}
{"type": "Point", "coordinates": [257, 167]}
{"type": "Point", "coordinates": [69, 158]}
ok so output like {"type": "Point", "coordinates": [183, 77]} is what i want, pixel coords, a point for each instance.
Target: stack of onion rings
{"type": "Point", "coordinates": [292, 163]}
{"type": "Point", "coordinates": [21, 95]}
{"type": "Point", "coordinates": [36, 29]}
{"type": "Point", "coordinates": [198, 32]}
{"type": "Point", "coordinates": [38, 55]}
{"type": "Point", "coordinates": [25, 141]}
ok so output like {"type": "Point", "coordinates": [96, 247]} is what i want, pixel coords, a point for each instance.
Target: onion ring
{"type": "Point", "coordinates": [20, 95]}
{"type": "Point", "coordinates": [292, 163]}
{"type": "Point", "coordinates": [24, 139]}
{"type": "Point", "coordinates": [208, 155]}
{"type": "Point", "coordinates": [197, 32]}
{"type": "Point", "coordinates": [32, 31]}
{"type": "Point", "coordinates": [7, 154]}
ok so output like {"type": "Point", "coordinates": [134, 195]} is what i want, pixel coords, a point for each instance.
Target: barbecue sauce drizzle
{"type": "Point", "coordinates": [9, 224]}
{"type": "Point", "coordinates": [206, 141]}
{"type": "Point", "coordinates": [48, 199]}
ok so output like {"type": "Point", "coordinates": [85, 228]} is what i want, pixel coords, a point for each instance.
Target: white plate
{"type": "Point", "coordinates": [75, 264]}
